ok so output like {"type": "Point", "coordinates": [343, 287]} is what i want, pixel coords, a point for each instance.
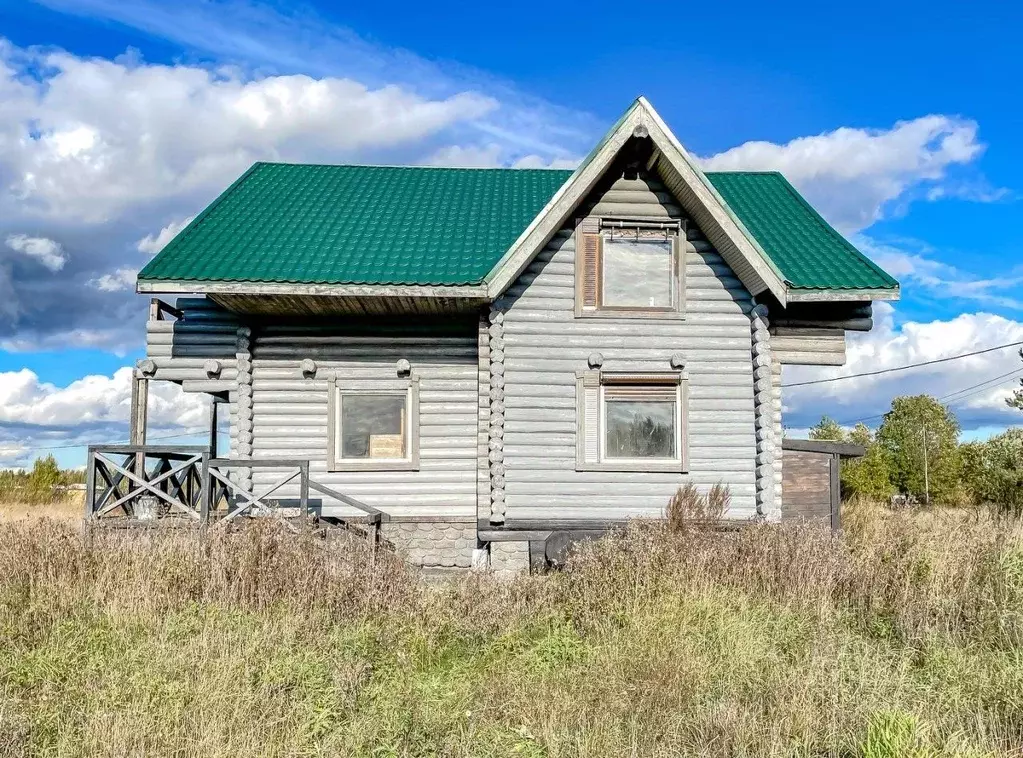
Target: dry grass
{"type": "Point", "coordinates": [903, 639]}
{"type": "Point", "coordinates": [68, 509]}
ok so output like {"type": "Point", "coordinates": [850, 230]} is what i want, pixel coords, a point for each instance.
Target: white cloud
{"type": "Point", "coordinates": [119, 337]}
{"type": "Point", "coordinates": [492, 156]}
{"type": "Point", "coordinates": [122, 279]}
{"type": "Point", "coordinates": [890, 345]}
{"type": "Point", "coordinates": [469, 156]}
{"type": "Point", "coordinates": [97, 137]}
{"type": "Point", "coordinates": [537, 161]}
{"type": "Point", "coordinates": [152, 244]}
{"type": "Point", "coordinates": [942, 280]}
{"type": "Point", "coordinates": [37, 418]}
{"type": "Point", "coordinates": [286, 39]}
{"type": "Point", "coordinates": [854, 175]}
{"type": "Point", "coordinates": [12, 453]}
{"type": "Point", "coordinates": [93, 399]}
{"type": "Point", "coordinates": [49, 253]}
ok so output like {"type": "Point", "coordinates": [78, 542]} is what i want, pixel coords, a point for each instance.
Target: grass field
{"type": "Point", "coordinates": [61, 510]}
{"type": "Point", "coordinates": [903, 639]}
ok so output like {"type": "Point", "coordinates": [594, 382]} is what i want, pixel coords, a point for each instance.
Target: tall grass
{"type": "Point", "coordinates": [903, 638]}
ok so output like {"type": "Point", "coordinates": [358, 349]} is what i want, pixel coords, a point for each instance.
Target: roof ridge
{"type": "Point", "coordinates": [410, 166]}
{"type": "Point", "coordinates": [744, 172]}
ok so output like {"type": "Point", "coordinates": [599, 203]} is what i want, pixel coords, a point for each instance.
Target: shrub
{"type": "Point", "coordinates": [688, 505]}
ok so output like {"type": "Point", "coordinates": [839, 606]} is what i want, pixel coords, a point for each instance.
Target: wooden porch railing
{"type": "Point", "coordinates": [152, 482]}
{"type": "Point", "coordinates": [220, 490]}
{"type": "Point", "coordinates": [167, 477]}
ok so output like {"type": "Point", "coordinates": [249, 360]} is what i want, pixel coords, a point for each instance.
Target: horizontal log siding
{"type": "Point", "coordinates": [181, 348]}
{"type": "Point", "coordinates": [290, 411]}
{"type": "Point", "coordinates": [545, 345]}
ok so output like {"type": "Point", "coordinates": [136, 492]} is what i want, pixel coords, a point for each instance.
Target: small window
{"type": "Point", "coordinates": [640, 424]}
{"type": "Point", "coordinates": [631, 422]}
{"type": "Point", "coordinates": [628, 269]}
{"type": "Point", "coordinates": [373, 427]}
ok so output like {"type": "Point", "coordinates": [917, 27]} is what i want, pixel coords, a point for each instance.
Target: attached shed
{"type": "Point", "coordinates": [811, 486]}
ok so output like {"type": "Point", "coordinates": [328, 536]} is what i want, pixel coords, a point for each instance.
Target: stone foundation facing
{"type": "Point", "coordinates": [432, 543]}
{"type": "Point", "coordinates": [509, 557]}
{"type": "Point", "coordinates": [452, 544]}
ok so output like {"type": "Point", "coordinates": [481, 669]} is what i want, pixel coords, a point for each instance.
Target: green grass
{"type": "Point", "coordinates": [656, 644]}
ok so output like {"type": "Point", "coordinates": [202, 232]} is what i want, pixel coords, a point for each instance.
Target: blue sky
{"type": "Point", "coordinates": [898, 120]}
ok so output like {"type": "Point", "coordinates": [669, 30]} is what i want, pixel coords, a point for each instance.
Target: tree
{"type": "Point", "coordinates": [1015, 400]}
{"type": "Point", "coordinates": [920, 437]}
{"type": "Point", "coordinates": [871, 475]}
{"type": "Point", "coordinates": [827, 429]}
{"type": "Point", "coordinates": [46, 475]}
{"type": "Point", "coordinates": [973, 457]}
{"type": "Point", "coordinates": [996, 474]}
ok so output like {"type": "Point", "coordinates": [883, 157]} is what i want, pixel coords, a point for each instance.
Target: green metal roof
{"type": "Point", "coordinates": [806, 249]}
{"type": "Point", "coordinates": [358, 225]}
{"type": "Point", "coordinates": [448, 226]}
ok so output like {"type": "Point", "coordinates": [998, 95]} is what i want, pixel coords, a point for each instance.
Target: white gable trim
{"type": "Point", "coordinates": [736, 245]}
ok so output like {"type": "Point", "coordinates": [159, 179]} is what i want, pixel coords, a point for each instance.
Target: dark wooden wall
{"type": "Point", "coordinates": [806, 485]}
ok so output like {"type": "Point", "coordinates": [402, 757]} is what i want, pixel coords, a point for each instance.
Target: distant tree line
{"type": "Point", "coordinates": [46, 482]}
{"type": "Point", "coordinates": [916, 452]}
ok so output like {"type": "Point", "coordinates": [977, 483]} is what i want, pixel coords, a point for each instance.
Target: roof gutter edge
{"type": "Point", "coordinates": [821, 295]}
{"type": "Point", "coordinates": [181, 287]}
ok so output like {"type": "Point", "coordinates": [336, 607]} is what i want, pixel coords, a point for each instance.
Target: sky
{"type": "Point", "coordinates": [119, 121]}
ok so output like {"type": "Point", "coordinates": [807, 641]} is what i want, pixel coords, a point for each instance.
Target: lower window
{"type": "Point", "coordinates": [631, 422]}
{"type": "Point", "coordinates": [373, 428]}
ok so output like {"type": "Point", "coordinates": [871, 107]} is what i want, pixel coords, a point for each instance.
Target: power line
{"type": "Point", "coordinates": [971, 390]}
{"type": "Point", "coordinates": [86, 444]}
{"type": "Point", "coordinates": [979, 387]}
{"type": "Point", "coordinates": [904, 368]}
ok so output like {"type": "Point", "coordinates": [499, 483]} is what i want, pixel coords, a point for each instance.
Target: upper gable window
{"type": "Point", "coordinates": [628, 269]}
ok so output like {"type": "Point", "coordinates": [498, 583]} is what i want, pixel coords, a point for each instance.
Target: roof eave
{"type": "Point", "coordinates": [181, 287]}
{"type": "Point", "coordinates": [841, 449]}
{"type": "Point", "coordinates": [823, 295]}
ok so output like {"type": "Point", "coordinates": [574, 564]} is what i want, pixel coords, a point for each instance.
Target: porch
{"type": "Point", "coordinates": [188, 485]}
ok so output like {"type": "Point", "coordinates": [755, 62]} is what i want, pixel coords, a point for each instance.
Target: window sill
{"type": "Point", "coordinates": [371, 465]}
{"type": "Point", "coordinates": [645, 315]}
{"type": "Point", "coordinates": [653, 467]}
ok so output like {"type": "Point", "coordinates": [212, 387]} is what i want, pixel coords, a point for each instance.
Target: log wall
{"type": "Point", "coordinates": [545, 345]}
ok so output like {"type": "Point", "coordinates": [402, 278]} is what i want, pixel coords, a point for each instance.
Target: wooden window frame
{"type": "Point", "coordinates": [337, 387]}
{"type": "Point", "coordinates": [588, 438]}
{"type": "Point", "coordinates": [598, 227]}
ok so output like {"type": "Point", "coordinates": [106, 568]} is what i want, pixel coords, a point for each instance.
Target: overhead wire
{"type": "Point", "coordinates": [971, 390]}
{"type": "Point", "coordinates": [893, 369]}
{"type": "Point", "coordinates": [125, 442]}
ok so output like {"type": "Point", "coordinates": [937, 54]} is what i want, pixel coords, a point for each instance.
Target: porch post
{"type": "Point", "coordinates": [139, 420]}
{"type": "Point", "coordinates": [214, 402]}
